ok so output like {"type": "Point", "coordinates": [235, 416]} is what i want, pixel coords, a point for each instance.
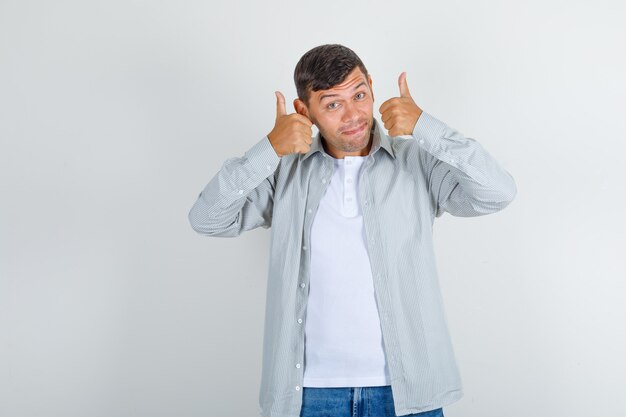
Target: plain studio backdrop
{"type": "Point", "coordinates": [114, 115]}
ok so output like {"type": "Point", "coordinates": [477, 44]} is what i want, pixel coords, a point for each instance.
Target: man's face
{"type": "Point", "coordinates": [343, 114]}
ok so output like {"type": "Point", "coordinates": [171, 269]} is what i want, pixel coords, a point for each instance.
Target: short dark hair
{"type": "Point", "coordinates": [323, 67]}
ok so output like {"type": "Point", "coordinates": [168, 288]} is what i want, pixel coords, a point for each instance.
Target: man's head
{"type": "Point", "coordinates": [335, 93]}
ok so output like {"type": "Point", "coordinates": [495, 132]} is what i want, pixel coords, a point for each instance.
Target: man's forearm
{"type": "Point", "coordinates": [240, 196]}
{"type": "Point", "coordinates": [464, 177]}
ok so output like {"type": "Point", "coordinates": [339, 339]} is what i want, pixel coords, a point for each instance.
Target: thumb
{"type": "Point", "coordinates": [404, 87]}
{"type": "Point", "coordinates": [280, 104]}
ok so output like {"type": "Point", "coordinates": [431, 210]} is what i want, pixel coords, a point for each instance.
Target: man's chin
{"type": "Point", "coordinates": [361, 142]}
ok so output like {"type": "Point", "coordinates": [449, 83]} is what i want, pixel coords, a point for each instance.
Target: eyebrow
{"type": "Point", "coordinates": [333, 95]}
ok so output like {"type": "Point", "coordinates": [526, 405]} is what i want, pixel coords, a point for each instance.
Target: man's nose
{"type": "Point", "coordinates": [350, 112]}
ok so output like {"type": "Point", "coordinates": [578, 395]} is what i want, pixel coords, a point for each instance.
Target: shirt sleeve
{"type": "Point", "coordinates": [240, 196]}
{"type": "Point", "coordinates": [463, 178]}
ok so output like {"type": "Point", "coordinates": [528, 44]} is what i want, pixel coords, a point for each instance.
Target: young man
{"type": "Point", "coordinates": [354, 319]}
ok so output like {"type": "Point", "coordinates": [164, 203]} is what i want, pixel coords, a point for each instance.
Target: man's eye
{"type": "Point", "coordinates": [329, 106]}
{"type": "Point", "coordinates": [360, 94]}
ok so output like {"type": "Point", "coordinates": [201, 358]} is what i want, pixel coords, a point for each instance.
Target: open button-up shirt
{"type": "Point", "coordinates": [406, 182]}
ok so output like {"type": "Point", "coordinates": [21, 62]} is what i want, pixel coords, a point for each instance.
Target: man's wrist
{"type": "Point", "coordinates": [273, 147]}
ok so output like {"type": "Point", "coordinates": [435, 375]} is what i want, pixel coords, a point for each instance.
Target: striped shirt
{"type": "Point", "coordinates": [406, 182]}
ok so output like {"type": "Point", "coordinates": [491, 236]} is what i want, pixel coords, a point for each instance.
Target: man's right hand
{"type": "Point", "coordinates": [292, 132]}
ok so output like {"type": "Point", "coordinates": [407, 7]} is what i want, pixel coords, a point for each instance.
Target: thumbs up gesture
{"type": "Point", "coordinates": [400, 114]}
{"type": "Point", "coordinates": [292, 132]}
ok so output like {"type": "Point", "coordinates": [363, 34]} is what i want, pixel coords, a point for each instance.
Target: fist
{"type": "Point", "coordinates": [292, 132]}
{"type": "Point", "coordinates": [400, 114]}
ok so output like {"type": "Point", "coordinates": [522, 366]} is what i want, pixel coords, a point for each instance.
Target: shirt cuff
{"type": "Point", "coordinates": [262, 157]}
{"type": "Point", "coordinates": [430, 134]}
{"type": "Point", "coordinates": [428, 130]}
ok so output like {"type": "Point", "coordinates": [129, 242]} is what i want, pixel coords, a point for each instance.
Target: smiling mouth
{"type": "Point", "coordinates": [355, 131]}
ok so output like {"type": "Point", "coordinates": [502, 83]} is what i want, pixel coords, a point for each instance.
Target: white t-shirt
{"type": "Point", "coordinates": [343, 339]}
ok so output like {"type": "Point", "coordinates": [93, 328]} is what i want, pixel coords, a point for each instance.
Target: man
{"type": "Point", "coordinates": [354, 319]}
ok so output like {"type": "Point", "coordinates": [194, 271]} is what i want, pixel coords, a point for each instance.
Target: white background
{"type": "Point", "coordinates": [114, 115]}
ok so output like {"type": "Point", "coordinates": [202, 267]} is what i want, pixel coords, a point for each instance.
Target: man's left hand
{"type": "Point", "coordinates": [400, 114]}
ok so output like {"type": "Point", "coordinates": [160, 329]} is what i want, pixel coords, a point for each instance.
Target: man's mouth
{"type": "Point", "coordinates": [355, 131]}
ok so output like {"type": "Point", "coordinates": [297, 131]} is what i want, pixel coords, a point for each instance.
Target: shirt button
{"type": "Point", "coordinates": [349, 180]}
{"type": "Point", "coordinates": [421, 140]}
{"type": "Point", "coordinates": [299, 320]}
{"type": "Point", "coordinates": [240, 191]}
{"type": "Point", "coordinates": [302, 285]}
{"type": "Point", "coordinates": [324, 180]}
{"type": "Point", "coordinates": [269, 167]}
{"type": "Point", "coordinates": [297, 387]}
{"type": "Point", "coordinates": [304, 247]}
{"type": "Point", "coordinates": [310, 211]}
{"type": "Point", "coordinates": [297, 365]}
{"type": "Point", "coordinates": [348, 162]}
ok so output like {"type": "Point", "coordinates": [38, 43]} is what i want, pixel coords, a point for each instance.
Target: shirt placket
{"type": "Point", "coordinates": [381, 292]}
{"type": "Point", "coordinates": [349, 196]}
{"type": "Point", "coordinates": [317, 187]}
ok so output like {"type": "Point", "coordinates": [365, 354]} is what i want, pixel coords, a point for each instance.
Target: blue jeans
{"type": "Point", "coordinates": [353, 402]}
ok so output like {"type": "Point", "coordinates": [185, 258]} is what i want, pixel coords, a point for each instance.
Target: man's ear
{"type": "Point", "coordinates": [369, 78]}
{"type": "Point", "coordinates": [301, 108]}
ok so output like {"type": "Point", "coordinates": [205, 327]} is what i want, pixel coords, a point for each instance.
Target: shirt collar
{"type": "Point", "coordinates": [380, 140]}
